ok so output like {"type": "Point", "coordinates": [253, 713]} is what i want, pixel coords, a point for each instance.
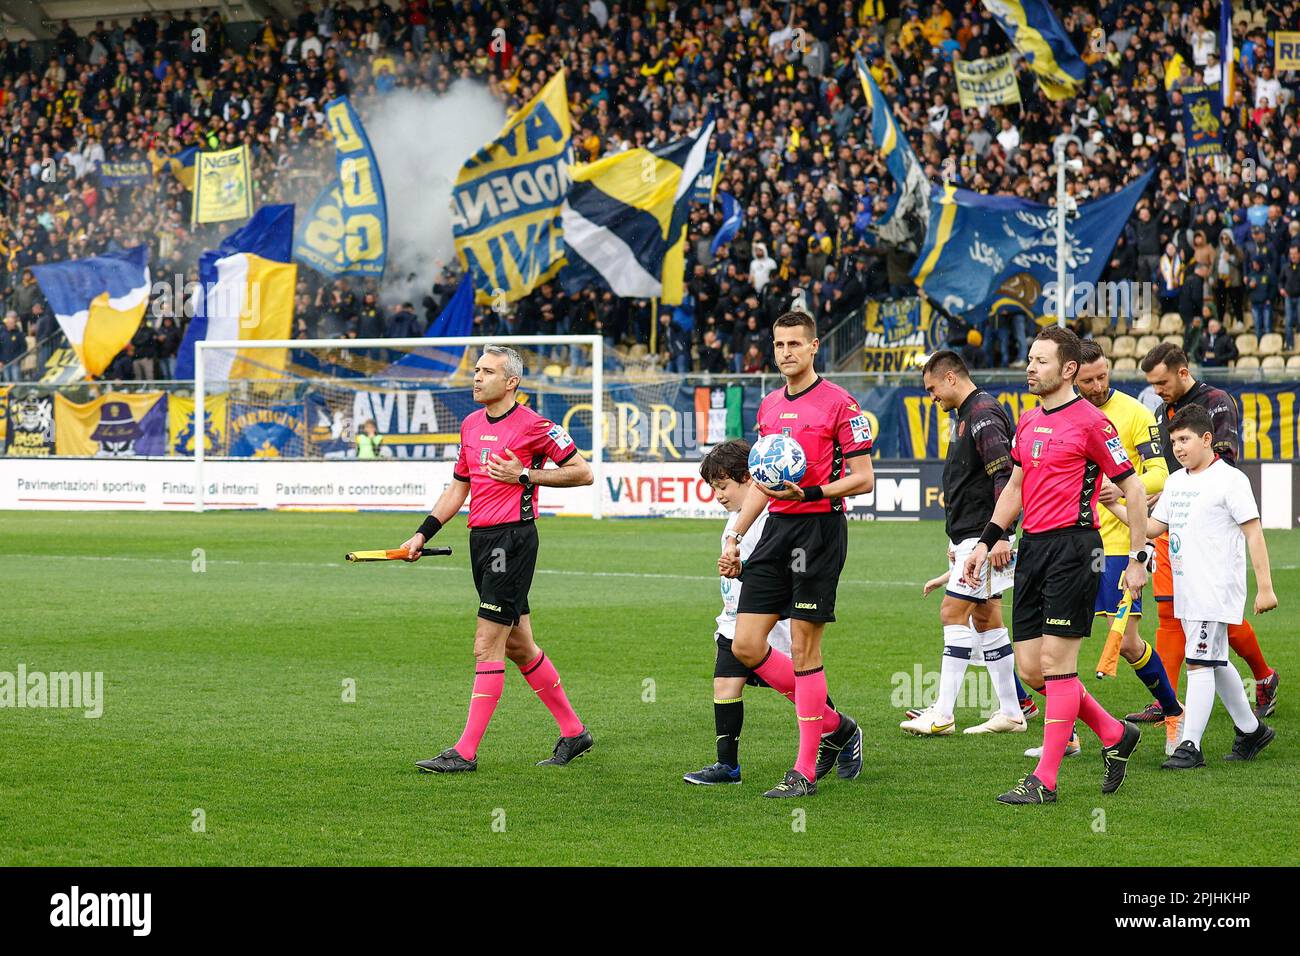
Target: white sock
{"type": "Point", "coordinates": [957, 642]}
{"type": "Point", "coordinates": [1000, 659]}
{"type": "Point", "coordinates": [1200, 699]}
{"type": "Point", "coordinates": [1233, 694]}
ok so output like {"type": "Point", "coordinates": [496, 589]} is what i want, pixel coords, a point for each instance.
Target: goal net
{"type": "Point", "coordinates": [310, 399]}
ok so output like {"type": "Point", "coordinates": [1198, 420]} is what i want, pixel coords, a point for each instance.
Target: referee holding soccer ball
{"type": "Point", "coordinates": [795, 566]}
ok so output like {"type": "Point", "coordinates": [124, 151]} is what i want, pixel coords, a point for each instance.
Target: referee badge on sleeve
{"type": "Point", "coordinates": [560, 437]}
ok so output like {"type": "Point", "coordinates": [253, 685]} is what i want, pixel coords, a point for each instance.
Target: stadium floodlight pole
{"type": "Point", "coordinates": [596, 342]}
{"type": "Point", "coordinates": [1062, 210]}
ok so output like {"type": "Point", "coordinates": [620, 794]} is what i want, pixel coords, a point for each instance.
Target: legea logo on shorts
{"type": "Point", "coordinates": [490, 607]}
{"type": "Point", "coordinates": [805, 606]}
{"type": "Point", "coordinates": [1059, 622]}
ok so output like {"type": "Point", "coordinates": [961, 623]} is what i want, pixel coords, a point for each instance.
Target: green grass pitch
{"type": "Point", "coordinates": [224, 693]}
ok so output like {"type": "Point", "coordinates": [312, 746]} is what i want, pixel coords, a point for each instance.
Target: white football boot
{"type": "Point", "coordinates": [929, 723]}
{"type": "Point", "coordinates": [999, 723]}
{"type": "Point", "coordinates": [1072, 749]}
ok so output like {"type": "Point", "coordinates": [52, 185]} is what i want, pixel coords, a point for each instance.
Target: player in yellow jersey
{"type": "Point", "coordinates": [1136, 428]}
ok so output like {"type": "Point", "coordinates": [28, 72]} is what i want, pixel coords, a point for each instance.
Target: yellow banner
{"type": "Point", "coordinates": [180, 425]}
{"type": "Point", "coordinates": [988, 82]}
{"type": "Point", "coordinates": [1286, 51]}
{"type": "Point", "coordinates": [4, 416]}
{"type": "Point", "coordinates": [505, 206]}
{"type": "Point", "coordinates": [116, 425]}
{"type": "Point", "coordinates": [223, 186]}
{"type": "Point", "coordinates": [900, 333]}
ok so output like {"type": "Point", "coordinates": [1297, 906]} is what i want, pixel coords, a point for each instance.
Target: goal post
{"type": "Point", "coordinates": [203, 388]}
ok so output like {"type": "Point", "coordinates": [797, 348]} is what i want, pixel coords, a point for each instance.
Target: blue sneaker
{"type": "Point", "coordinates": [842, 750]}
{"type": "Point", "coordinates": [716, 774]}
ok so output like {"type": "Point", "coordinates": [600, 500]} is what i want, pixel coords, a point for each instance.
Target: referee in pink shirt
{"type": "Point", "coordinates": [503, 447]}
{"type": "Point", "coordinates": [1059, 454]}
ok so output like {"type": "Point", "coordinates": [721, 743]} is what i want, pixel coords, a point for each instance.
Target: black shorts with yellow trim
{"type": "Point", "coordinates": [1057, 577]}
{"type": "Point", "coordinates": [794, 570]}
{"type": "Point", "coordinates": [503, 558]}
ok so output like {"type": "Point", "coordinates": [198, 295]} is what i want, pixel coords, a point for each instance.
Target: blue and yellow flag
{"type": "Point", "coordinates": [223, 186]}
{"type": "Point", "coordinates": [180, 165]}
{"type": "Point", "coordinates": [625, 219]}
{"type": "Point", "coordinates": [346, 231]}
{"type": "Point", "coordinates": [505, 206]}
{"type": "Point", "coordinates": [1202, 108]}
{"type": "Point", "coordinates": [246, 292]}
{"type": "Point", "coordinates": [903, 223]}
{"type": "Point", "coordinates": [984, 253]}
{"type": "Point", "coordinates": [99, 302]}
{"type": "Point", "coordinates": [1034, 31]}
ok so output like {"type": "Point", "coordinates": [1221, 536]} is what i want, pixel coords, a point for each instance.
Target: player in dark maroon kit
{"type": "Point", "coordinates": [794, 569]}
{"type": "Point", "coordinates": [1060, 451]}
{"type": "Point", "coordinates": [502, 449]}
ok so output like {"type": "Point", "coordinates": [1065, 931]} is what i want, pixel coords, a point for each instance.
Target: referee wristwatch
{"type": "Point", "coordinates": [524, 479]}
{"type": "Point", "coordinates": [1141, 557]}
{"type": "Point", "coordinates": [733, 533]}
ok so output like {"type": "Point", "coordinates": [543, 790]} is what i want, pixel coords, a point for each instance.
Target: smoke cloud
{"type": "Point", "coordinates": [422, 140]}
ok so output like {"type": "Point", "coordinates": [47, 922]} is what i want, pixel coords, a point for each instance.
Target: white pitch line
{"type": "Point", "coordinates": [436, 567]}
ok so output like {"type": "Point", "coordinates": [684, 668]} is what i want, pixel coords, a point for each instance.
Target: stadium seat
{"type": "Point", "coordinates": [637, 351]}
{"type": "Point", "coordinates": [1171, 323]}
{"type": "Point", "coordinates": [1146, 344]}
{"type": "Point", "coordinates": [1270, 344]}
{"type": "Point", "coordinates": [1293, 364]}
{"type": "Point", "coordinates": [1246, 362]}
{"type": "Point", "coordinates": [1142, 325]}
{"type": "Point", "coordinates": [1271, 362]}
{"type": "Point", "coordinates": [1127, 364]}
{"type": "Point", "coordinates": [1099, 325]}
{"type": "Point", "coordinates": [1173, 340]}
{"type": "Point", "coordinates": [1125, 347]}
{"type": "Point", "coordinates": [553, 370]}
{"type": "Point", "coordinates": [1105, 343]}
{"type": "Point", "coordinates": [1247, 344]}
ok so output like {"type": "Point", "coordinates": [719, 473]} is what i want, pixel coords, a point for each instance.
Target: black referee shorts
{"type": "Point", "coordinates": [794, 569]}
{"type": "Point", "coordinates": [503, 557]}
{"type": "Point", "coordinates": [1057, 576]}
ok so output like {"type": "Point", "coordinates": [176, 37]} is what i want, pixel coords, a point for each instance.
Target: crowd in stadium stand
{"type": "Point", "coordinates": [1219, 238]}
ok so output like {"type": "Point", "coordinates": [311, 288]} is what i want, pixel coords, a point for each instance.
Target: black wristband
{"type": "Point", "coordinates": [813, 493]}
{"type": "Point", "coordinates": [430, 527]}
{"type": "Point", "coordinates": [992, 535]}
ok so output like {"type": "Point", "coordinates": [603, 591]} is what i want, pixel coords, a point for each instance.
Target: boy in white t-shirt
{"type": "Point", "coordinates": [726, 469]}
{"type": "Point", "coordinates": [1209, 510]}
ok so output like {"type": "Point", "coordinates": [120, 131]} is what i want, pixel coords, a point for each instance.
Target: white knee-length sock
{"type": "Point", "coordinates": [957, 642]}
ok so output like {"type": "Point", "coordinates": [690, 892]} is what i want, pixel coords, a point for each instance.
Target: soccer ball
{"type": "Point", "coordinates": [776, 459]}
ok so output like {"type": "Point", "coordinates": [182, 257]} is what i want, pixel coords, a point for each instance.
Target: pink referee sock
{"type": "Point", "coordinates": [1108, 729]}
{"type": "Point", "coordinates": [1062, 709]}
{"type": "Point", "coordinates": [489, 681]}
{"type": "Point", "coordinates": [543, 678]}
{"type": "Point", "coordinates": [778, 671]}
{"type": "Point", "coordinates": [809, 706]}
